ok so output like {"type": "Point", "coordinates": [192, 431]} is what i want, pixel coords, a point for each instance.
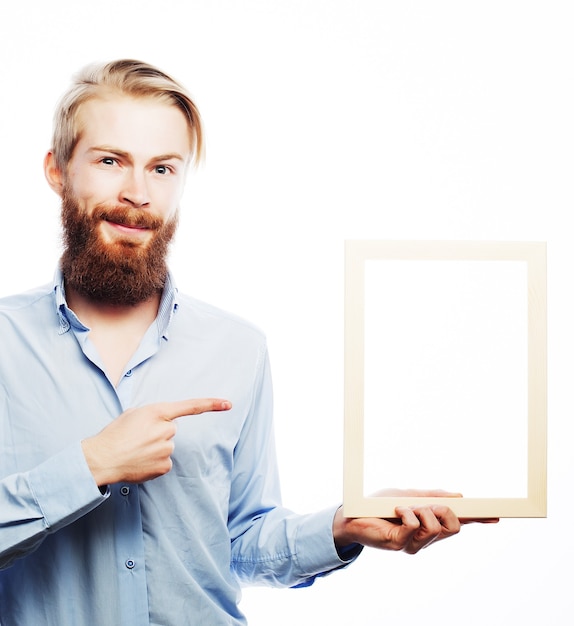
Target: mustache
{"type": "Point", "coordinates": [134, 218]}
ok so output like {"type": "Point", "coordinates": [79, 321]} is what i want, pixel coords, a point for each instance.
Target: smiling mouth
{"type": "Point", "coordinates": [128, 227]}
{"type": "Point", "coordinates": [126, 219]}
{"type": "Point", "coordinates": [131, 231]}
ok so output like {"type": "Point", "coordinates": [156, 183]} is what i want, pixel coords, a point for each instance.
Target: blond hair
{"type": "Point", "coordinates": [128, 77]}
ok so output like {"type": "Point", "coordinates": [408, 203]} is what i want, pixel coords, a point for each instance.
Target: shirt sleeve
{"type": "Point", "coordinates": [271, 545]}
{"type": "Point", "coordinates": [44, 499]}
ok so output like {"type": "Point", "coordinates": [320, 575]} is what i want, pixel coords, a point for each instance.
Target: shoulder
{"type": "Point", "coordinates": [209, 318]}
{"type": "Point", "coordinates": [27, 318]}
{"type": "Point", "coordinates": [38, 297]}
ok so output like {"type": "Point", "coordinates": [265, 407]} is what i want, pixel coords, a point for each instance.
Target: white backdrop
{"type": "Point", "coordinates": [329, 120]}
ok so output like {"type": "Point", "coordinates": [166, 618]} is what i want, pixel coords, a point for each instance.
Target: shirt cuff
{"type": "Point", "coordinates": [316, 551]}
{"type": "Point", "coordinates": [64, 487]}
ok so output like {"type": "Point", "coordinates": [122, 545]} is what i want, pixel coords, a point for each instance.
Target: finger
{"type": "Point", "coordinates": [439, 493]}
{"type": "Point", "coordinates": [431, 528]}
{"type": "Point", "coordinates": [435, 523]}
{"type": "Point", "coordinates": [416, 493]}
{"type": "Point", "coordinates": [448, 520]}
{"type": "Point", "coordinates": [173, 410]}
{"type": "Point", "coordinates": [404, 532]}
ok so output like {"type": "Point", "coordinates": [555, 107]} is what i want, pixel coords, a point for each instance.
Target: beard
{"type": "Point", "coordinates": [122, 272]}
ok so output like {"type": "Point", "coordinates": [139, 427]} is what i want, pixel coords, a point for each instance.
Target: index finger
{"type": "Point", "coordinates": [194, 406]}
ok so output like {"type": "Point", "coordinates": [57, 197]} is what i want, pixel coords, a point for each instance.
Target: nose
{"type": "Point", "coordinates": [134, 189]}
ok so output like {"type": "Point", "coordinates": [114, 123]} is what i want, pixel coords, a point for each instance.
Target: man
{"type": "Point", "coordinates": [115, 509]}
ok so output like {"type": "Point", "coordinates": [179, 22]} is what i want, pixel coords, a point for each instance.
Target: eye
{"type": "Point", "coordinates": [162, 169]}
{"type": "Point", "coordinates": [108, 161]}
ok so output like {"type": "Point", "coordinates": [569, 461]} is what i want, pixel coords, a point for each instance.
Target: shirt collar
{"type": "Point", "coordinates": [167, 307]}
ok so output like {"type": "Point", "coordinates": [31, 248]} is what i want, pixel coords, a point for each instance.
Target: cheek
{"type": "Point", "coordinates": [89, 192]}
{"type": "Point", "coordinates": [167, 200]}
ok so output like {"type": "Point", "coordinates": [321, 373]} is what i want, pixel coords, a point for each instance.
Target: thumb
{"type": "Point", "coordinates": [195, 406]}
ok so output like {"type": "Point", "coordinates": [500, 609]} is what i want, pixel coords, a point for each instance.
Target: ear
{"type": "Point", "coordinates": [53, 174]}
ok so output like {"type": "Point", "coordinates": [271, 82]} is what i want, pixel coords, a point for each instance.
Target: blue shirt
{"type": "Point", "coordinates": [171, 551]}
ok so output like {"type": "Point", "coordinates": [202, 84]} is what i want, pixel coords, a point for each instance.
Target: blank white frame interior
{"type": "Point", "coordinates": [532, 256]}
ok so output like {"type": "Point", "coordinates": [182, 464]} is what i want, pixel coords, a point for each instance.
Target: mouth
{"type": "Point", "coordinates": [113, 230]}
{"type": "Point", "coordinates": [127, 227]}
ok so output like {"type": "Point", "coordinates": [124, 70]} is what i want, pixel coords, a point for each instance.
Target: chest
{"type": "Point", "coordinates": [114, 352]}
{"type": "Point", "coordinates": [53, 395]}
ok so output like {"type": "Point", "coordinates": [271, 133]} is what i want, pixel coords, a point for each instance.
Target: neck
{"type": "Point", "coordinates": [94, 313]}
{"type": "Point", "coordinates": [115, 330]}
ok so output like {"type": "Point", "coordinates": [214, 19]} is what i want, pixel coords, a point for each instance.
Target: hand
{"type": "Point", "coordinates": [416, 527]}
{"type": "Point", "coordinates": [137, 445]}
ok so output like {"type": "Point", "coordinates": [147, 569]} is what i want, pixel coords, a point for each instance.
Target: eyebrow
{"type": "Point", "coordinates": [126, 155]}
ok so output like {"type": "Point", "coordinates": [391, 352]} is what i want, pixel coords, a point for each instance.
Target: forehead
{"type": "Point", "coordinates": [139, 125]}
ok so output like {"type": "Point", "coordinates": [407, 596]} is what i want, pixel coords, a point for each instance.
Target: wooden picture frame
{"type": "Point", "coordinates": [513, 259]}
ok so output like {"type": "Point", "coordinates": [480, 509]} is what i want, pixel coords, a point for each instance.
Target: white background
{"type": "Point", "coordinates": [331, 120]}
{"type": "Point", "coordinates": [446, 375]}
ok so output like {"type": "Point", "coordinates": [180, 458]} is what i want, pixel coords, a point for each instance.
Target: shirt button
{"type": "Point", "coordinates": [130, 563]}
{"type": "Point", "coordinates": [124, 490]}
{"type": "Point", "coordinates": [129, 373]}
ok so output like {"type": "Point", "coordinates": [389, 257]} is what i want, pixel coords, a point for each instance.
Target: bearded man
{"type": "Point", "coordinates": [109, 515]}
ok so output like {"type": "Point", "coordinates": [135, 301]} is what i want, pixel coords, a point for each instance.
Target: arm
{"type": "Point", "coordinates": [136, 446]}
{"type": "Point", "coordinates": [273, 546]}
{"type": "Point", "coordinates": [42, 500]}
{"type": "Point", "coordinates": [270, 544]}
